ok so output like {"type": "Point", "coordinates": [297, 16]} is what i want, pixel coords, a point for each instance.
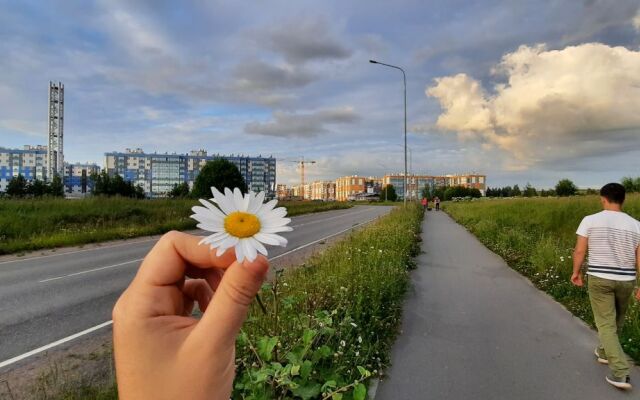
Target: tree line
{"type": "Point", "coordinates": [19, 187]}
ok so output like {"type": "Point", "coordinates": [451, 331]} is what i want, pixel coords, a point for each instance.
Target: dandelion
{"type": "Point", "coordinates": [242, 221]}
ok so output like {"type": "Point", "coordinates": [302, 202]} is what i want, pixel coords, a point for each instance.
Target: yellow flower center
{"type": "Point", "coordinates": [241, 224]}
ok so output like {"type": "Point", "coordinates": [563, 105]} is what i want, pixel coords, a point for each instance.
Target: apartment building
{"type": "Point", "coordinates": [476, 181]}
{"type": "Point", "coordinates": [415, 183]}
{"type": "Point", "coordinates": [157, 173]}
{"type": "Point", "coordinates": [30, 162]}
{"type": "Point", "coordinates": [77, 177]}
{"type": "Point", "coordinates": [349, 186]}
{"type": "Point", "coordinates": [322, 190]}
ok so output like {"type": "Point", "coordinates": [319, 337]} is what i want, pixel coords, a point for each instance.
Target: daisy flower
{"type": "Point", "coordinates": [241, 221]}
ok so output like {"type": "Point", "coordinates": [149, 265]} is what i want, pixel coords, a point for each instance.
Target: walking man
{"type": "Point", "coordinates": [425, 203]}
{"type": "Point", "coordinates": [436, 201]}
{"type": "Point", "coordinates": [611, 238]}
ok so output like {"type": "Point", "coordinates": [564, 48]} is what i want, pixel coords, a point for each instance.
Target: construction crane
{"type": "Point", "coordinates": [301, 164]}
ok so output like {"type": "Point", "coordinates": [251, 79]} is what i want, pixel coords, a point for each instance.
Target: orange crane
{"type": "Point", "coordinates": [301, 164]}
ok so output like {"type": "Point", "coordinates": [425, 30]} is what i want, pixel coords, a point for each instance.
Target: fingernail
{"type": "Point", "coordinates": [260, 265]}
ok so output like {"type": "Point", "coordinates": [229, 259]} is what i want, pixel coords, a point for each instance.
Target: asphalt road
{"type": "Point", "coordinates": [475, 329]}
{"type": "Point", "coordinates": [47, 298]}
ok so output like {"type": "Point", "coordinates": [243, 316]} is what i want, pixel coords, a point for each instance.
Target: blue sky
{"type": "Point", "coordinates": [292, 79]}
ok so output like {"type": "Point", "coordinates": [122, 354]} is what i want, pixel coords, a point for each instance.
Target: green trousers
{"type": "Point", "coordinates": [609, 302]}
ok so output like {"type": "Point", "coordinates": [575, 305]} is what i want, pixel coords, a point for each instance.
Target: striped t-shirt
{"type": "Point", "coordinates": [613, 240]}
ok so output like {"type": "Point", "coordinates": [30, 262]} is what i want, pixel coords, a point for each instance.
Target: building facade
{"type": "Point", "coordinates": [55, 154]}
{"type": "Point", "coordinates": [158, 173]}
{"type": "Point", "coordinates": [30, 162]}
{"type": "Point", "coordinates": [348, 186]}
{"type": "Point", "coordinates": [322, 190]}
{"type": "Point", "coordinates": [415, 183]}
{"type": "Point", "coordinates": [77, 178]}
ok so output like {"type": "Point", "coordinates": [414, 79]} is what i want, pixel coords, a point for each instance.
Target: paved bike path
{"type": "Point", "coordinates": [475, 329]}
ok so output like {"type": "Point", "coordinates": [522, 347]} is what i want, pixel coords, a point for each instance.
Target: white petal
{"type": "Point", "coordinates": [224, 201]}
{"type": "Point", "coordinates": [258, 246]}
{"type": "Point", "coordinates": [271, 238]}
{"type": "Point", "coordinates": [275, 229]}
{"type": "Point", "coordinates": [211, 227]}
{"type": "Point", "coordinates": [212, 208]}
{"type": "Point", "coordinates": [239, 252]}
{"type": "Point", "coordinates": [256, 203]}
{"type": "Point", "coordinates": [266, 208]}
{"type": "Point", "coordinates": [238, 200]}
{"type": "Point", "coordinates": [249, 251]}
{"type": "Point", "coordinates": [246, 200]}
{"type": "Point", "coordinates": [226, 243]}
{"type": "Point", "coordinates": [214, 237]}
{"type": "Point", "coordinates": [274, 222]}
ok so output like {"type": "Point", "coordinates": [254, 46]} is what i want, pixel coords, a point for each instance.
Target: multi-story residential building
{"type": "Point", "coordinates": [30, 162]}
{"type": "Point", "coordinates": [348, 186]}
{"type": "Point", "coordinates": [283, 192]}
{"type": "Point", "coordinates": [158, 173]}
{"type": "Point", "coordinates": [477, 181]}
{"type": "Point", "coordinates": [77, 177]}
{"type": "Point", "coordinates": [322, 190]}
{"type": "Point", "coordinates": [415, 183]}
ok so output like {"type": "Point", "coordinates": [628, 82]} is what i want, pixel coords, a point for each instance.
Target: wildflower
{"type": "Point", "coordinates": [343, 343]}
{"type": "Point", "coordinates": [354, 325]}
{"type": "Point", "coordinates": [243, 222]}
{"type": "Point", "coordinates": [357, 353]}
{"type": "Point", "coordinates": [359, 339]}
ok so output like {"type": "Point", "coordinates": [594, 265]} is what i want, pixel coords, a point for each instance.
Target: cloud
{"type": "Point", "coordinates": [636, 21]}
{"type": "Point", "coordinates": [304, 40]}
{"type": "Point", "coordinates": [554, 104]}
{"type": "Point", "coordinates": [287, 124]}
{"type": "Point", "coordinates": [257, 75]}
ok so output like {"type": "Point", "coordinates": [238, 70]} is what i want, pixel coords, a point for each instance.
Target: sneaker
{"type": "Point", "coordinates": [620, 383]}
{"type": "Point", "coordinates": [601, 359]}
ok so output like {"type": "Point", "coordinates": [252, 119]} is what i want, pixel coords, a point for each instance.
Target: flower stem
{"type": "Point", "coordinates": [264, 309]}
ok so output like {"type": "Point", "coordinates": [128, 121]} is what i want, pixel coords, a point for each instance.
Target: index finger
{"type": "Point", "coordinates": [169, 259]}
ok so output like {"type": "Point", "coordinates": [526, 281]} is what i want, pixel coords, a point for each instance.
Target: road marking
{"type": "Point", "coordinates": [77, 251]}
{"type": "Point", "coordinates": [54, 344]}
{"type": "Point", "coordinates": [104, 324]}
{"type": "Point", "coordinates": [329, 219]}
{"type": "Point", "coordinates": [90, 270]}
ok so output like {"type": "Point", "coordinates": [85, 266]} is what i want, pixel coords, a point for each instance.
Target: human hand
{"type": "Point", "coordinates": [160, 351]}
{"type": "Point", "coordinates": [576, 279]}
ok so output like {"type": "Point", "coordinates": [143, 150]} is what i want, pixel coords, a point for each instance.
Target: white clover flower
{"type": "Point", "coordinates": [243, 222]}
{"type": "Point", "coordinates": [343, 343]}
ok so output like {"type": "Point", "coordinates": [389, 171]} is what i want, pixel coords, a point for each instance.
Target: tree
{"type": "Point", "coordinates": [461, 191]}
{"type": "Point", "coordinates": [219, 173]}
{"type": "Point", "coordinates": [105, 185]}
{"type": "Point", "coordinates": [37, 188]}
{"type": "Point", "coordinates": [17, 186]}
{"type": "Point", "coordinates": [179, 190]}
{"type": "Point", "coordinates": [516, 191]}
{"type": "Point", "coordinates": [388, 193]}
{"type": "Point", "coordinates": [56, 188]}
{"type": "Point", "coordinates": [565, 187]}
{"type": "Point", "coordinates": [529, 191]}
{"type": "Point", "coordinates": [629, 184]}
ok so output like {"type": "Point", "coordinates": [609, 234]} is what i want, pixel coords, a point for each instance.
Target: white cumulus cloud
{"type": "Point", "coordinates": [551, 104]}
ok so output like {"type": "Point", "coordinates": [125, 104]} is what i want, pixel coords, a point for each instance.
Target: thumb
{"type": "Point", "coordinates": [227, 310]}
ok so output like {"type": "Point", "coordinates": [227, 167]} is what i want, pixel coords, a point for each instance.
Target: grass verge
{"type": "Point", "coordinates": [330, 323]}
{"type": "Point", "coordinates": [536, 238]}
{"type": "Point", "coordinates": [33, 224]}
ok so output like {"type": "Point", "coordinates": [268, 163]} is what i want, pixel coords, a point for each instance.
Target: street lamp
{"type": "Point", "coordinates": [404, 78]}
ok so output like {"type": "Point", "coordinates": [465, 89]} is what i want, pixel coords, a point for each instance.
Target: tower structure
{"type": "Point", "coordinates": [55, 155]}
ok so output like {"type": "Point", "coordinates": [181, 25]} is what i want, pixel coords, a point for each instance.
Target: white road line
{"type": "Point", "coordinates": [77, 251]}
{"type": "Point", "coordinates": [102, 325]}
{"type": "Point", "coordinates": [54, 344]}
{"type": "Point", "coordinates": [91, 270]}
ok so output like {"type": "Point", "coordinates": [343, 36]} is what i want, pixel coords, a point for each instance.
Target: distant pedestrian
{"type": "Point", "coordinates": [436, 201]}
{"type": "Point", "coordinates": [612, 239]}
{"type": "Point", "coordinates": [425, 203]}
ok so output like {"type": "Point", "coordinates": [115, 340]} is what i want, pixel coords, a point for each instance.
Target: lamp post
{"type": "Point", "coordinates": [404, 79]}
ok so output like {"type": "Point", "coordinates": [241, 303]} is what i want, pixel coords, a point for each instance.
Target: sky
{"type": "Point", "coordinates": [522, 91]}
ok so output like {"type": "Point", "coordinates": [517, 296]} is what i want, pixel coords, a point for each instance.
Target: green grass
{"type": "Point", "coordinates": [33, 224]}
{"type": "Point", "coordinates": [329, 325]}
{"type": "Point", "coordinates": [536, 237]}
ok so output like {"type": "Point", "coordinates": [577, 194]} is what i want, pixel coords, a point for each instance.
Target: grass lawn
{"type": "Point", "coordinates": [536, 237]}
{"type": "Point", "coordinates": [32, 224]}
